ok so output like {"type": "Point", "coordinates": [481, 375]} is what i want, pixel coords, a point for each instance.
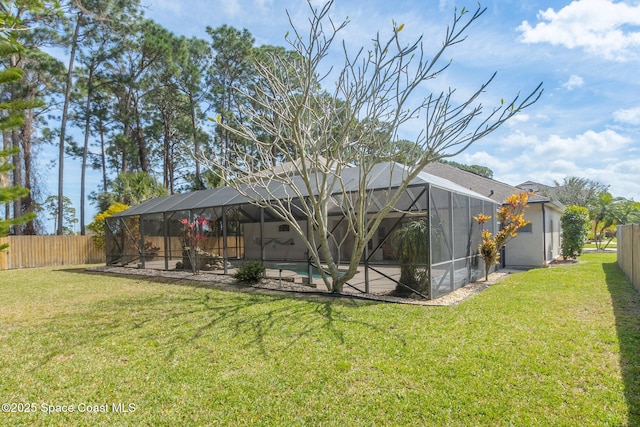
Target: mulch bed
{"type": "Point", "coordinates": [270, 286]}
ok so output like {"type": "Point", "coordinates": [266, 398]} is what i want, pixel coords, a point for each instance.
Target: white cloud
{"type": "Point", "coordinates": [601, 27]}
{"type": "Point", "coordinates": [630, 116]}
{"type": "Point", "coordinates": [231, 7]}
{"type": "Point", "coordinates": [607, 157]}
{"type": "Point", "coordinates": [519, 140]}
{"type": "Point", "coordinates": [573, 82]}
{"type": "Point", "coordinates": [631, 168]}
{"type": "Point", "coordinates": [582, 146]}
{"type": "Point", "coordinates": [620, 176]}
{"type": "Point", "coordinates": [484, 159]}
{"type": "Point", "coordinates": [518, 119]}
{"type": "Point", "coordinates": [562, 167]}
{"type": "Point", "coordinates": [445, 4]}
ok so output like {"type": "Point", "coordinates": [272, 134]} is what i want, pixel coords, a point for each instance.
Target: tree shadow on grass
{"type": "Point", "coordinates": [626, 306]}
{"type": "Point", "coordinates": [271, 322]}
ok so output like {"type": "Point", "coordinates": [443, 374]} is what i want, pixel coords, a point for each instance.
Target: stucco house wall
{"type": "Point", "coordinates": [527, 248]}
{"type": "Point", "coordinates": [535, 246]}
{"type": "Point", "coordinates": [283, 244]}
{"type": "Point", "coordinates": [553, 238]}
{"type": "Point", "coordinates": [538, 244]}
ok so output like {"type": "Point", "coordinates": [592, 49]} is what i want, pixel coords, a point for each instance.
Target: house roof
{"type": "Point", "coordinates": [532, 185]}
{"type": "Point", "coordinates": [383, 176]}
{"type": "Point", "coordinates": [290, 168]}
{"type": "Point", "coordinates": [495, 190]}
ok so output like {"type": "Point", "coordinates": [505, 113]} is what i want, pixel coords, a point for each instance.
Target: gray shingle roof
{"type": "Point", "coordinates": [495, 190]}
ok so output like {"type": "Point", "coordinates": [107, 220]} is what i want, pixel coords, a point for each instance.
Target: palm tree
{"type": "Point", "coordinates": [410, 245]}
{"type": "Point", "coordinates": [604, 216]}
{"type": "Point", "coordinates": [130, 188]}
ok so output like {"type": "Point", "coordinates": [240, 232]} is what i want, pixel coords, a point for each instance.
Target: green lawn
{"type": "Point", "coordinates": [557, 346]}
{"type": "Point", "coordinates": [610, 245]}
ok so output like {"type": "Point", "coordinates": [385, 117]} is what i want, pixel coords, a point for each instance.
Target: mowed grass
{"type": "Point", "coordinates": [610, 244]}
{"type": "Point", "coordinates": [558, 346]}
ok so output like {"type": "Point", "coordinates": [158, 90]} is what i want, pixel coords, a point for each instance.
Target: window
{"type": "Point", "coordinates": [283, 228]}
{"type": "Point", "coordinates": [526, 229]}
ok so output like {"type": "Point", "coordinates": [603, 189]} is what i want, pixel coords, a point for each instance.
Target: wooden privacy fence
{"type": "Point", "coordinates": [214, 245]}
{"type": "Point", "coordinates": [43, 251]}
{"type": "Point", "coordinates": [629, 252]}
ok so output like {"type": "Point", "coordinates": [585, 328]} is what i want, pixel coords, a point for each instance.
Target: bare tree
{"type": "Point", "coordinates": [321, 134]}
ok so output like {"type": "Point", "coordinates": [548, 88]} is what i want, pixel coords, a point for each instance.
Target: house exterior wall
{"type": "Point", "coordinates": [344, 237]}
{"type": "Point", "coordinates": [540, 245]}
{"type": "Point", "coordinates": [281, 245]}
{"type": "Point", "coordinates": [287, 246]}
{"type": "Point", "coordinates": [526, 249]}
{"type": "Point", "coordinates": [553, 236]}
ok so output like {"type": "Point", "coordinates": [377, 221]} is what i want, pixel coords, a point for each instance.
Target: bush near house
{"type": "Point", "coordinates": [575, 230]}
{"type": "Point", "coordinates": [250, 272]}
{"type": "Point", "coordinates": [511, 218]}
{"type": "Point", "coordinates": [97, 226]}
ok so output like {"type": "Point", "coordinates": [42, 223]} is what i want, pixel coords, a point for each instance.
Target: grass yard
{"type": "Point", "coordinates": [557, 346]}
{"type": "Point", "coordinates": [610, 245]}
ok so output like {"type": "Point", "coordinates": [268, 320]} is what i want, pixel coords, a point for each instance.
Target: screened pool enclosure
{"type": "Point", "coordinates": [229, 229]}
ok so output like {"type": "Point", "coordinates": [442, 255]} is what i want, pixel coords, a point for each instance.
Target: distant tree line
{"type": "Point", "coordinates": [130, 98]}
{"type": "Point", "coordinates": [477, 169]}
{"type": "Point", "coordinates": [605, 210]}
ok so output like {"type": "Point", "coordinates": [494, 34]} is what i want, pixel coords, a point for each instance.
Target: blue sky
{"type": "Point", "coordinates": [586, 53]}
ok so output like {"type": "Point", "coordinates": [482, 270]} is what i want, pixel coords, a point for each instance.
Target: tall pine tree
{"type": "Point", "coordinates": [11, 117]}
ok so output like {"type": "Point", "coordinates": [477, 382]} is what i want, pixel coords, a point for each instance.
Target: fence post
{"type": "Point", "coordinates": [4, 255]}
{"type": "Point", "coordinates": [628, 250]}
{"type": "Point", "coordinates": [634, 260]}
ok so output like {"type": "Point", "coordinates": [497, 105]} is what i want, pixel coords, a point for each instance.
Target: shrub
{"type": "Point", "coordinates": [575, 230]}
{"type": "Point", "coordinates": [97, 226]}
{"type": "Point", "coordinates": [250, 272]}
